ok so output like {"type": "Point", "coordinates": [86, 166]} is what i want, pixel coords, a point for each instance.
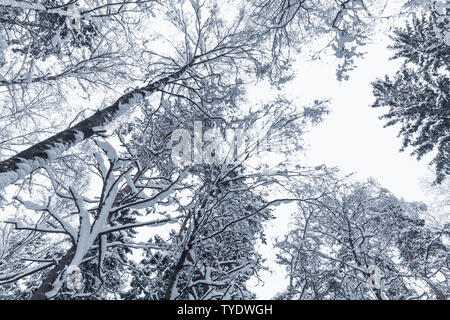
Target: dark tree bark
{"type": "Point", "coordinates": [46, 151]}
{"type": "Point", "coordinates": [47, 284]}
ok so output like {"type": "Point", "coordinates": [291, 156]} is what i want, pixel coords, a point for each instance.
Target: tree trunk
{"type": "Point", "coordinates": [27, 161]}
{"type": "Point", "coordinates": [47, 284]}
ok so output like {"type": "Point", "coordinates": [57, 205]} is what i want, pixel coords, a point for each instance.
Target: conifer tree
{"type": "Point", "coordinates": [418, 95]}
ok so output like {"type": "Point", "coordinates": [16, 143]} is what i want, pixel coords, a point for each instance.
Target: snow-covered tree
{"type": "Point", "coordinates": [418, 95]}
{"type": "Point", "coordinates": [336, 243]}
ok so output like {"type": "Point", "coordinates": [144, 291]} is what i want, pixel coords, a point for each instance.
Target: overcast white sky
{"type": "Point", "coordinates": [351, 138]}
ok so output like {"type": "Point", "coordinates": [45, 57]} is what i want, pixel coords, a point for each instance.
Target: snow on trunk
{"type": "Point", "coordinates": [38, 155]}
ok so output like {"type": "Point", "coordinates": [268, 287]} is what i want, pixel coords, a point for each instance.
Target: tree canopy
{"type": "Point", "coordinates": [134, 163]}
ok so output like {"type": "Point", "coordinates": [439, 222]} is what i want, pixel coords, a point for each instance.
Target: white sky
{"type": "Point", "coordinates": [351, 138]}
